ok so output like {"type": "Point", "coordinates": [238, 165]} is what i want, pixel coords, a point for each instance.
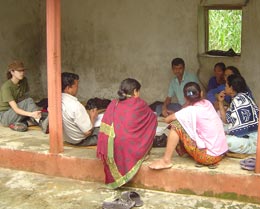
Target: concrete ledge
{"type": "Point", "coordinates": [213, 184]}
{"type": "Point", "coordinates": [54, 165]}
{"type": "Point", "coordinates": [242, 186]}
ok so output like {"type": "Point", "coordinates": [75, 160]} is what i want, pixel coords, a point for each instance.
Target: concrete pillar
{"type": "Point", "coordinates": [54, 75]}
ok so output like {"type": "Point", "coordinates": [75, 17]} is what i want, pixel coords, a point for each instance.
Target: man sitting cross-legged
{"type": "Point", "coordinates": [77, 121]}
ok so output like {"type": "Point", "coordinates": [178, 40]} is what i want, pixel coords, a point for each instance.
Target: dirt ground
{"type": "Point", "coordinates": [25, 190]}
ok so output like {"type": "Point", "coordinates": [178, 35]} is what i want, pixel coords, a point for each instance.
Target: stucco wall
{"type": "Point", "coordinates": [105, 42]}
{"type": "Point", "coordinates": [248, 63]}
{"type": "Point", "coordinates": [20, 33]}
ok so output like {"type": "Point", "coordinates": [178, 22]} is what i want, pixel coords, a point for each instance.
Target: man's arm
{"type": "Point", "coordinates": [93, 113]}
{"type": "Point", "coordinates": [167, 101]}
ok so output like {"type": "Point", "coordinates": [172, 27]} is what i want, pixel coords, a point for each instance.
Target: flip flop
{"type": "Point", "coordinates": [248, 164]}
{"type": "Point", "coordinates": [249, 168]}
{"type": "Point", "coordinates": [199, 165]}
{"type": "Point", "coordinates": [18, 126]}
{"type": "Point", "coordinates": [118, 204]}
{"type": "Point", "coordinates": [213, 166]}
{"type": "Point", "coordinates": [248, 161]}
{"type": "Point", "coordinates": [133, 196]}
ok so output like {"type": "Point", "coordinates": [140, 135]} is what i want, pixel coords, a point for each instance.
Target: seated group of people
{"type": "Point", "coordinates": [203, 128]}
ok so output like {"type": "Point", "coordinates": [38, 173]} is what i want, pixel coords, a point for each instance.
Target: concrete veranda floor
{"type": "Point", "coordinates": [25, 190]}
{"type": "Point", "coordinates": [35, 141]}
{"type": "Point", "coordinates": [54, 192]}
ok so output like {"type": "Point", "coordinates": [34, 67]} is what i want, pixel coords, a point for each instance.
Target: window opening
{"type": "Point", "coordinates": [224, 28]}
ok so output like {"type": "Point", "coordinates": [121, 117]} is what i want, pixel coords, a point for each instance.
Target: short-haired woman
{"type": "Point", "coordinates": [15, 104]}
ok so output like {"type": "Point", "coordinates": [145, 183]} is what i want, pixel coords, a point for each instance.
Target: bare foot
{"type": "Point", "coordinates": [160, 164]}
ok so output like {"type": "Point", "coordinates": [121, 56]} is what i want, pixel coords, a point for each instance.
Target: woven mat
{"type": "Point", "coordinates": [34, 128]}
{"type": "Point", "coordinates": [237, 155]}
{"type": "Point", "coordinates": [80, 147]}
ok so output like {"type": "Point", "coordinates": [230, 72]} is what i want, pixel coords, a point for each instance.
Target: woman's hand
{"type": "Point", "coordinates": [222, 110]}
{"type": "Point", "coordinates": [221, 96]}
{"type": "Point", "coordinates": [36, 114]}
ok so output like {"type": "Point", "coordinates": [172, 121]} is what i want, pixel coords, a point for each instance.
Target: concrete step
{"type": "Point", "coordinates": [29, 151]}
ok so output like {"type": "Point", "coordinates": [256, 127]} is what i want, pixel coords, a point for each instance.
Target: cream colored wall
{"type": "Point", "coordinates": [20, 39]}
{"type": "Point", "coordinates": [249, 62]}
{"type": "Point", "coordinates": [105, 42]}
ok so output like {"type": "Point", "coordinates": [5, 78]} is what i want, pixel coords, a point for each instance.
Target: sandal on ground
{"type": "Point", "coordinates": [118, 204]}
{"type": "Point", "coordinates": [199, 165]}
{"type": "Point", "coordinates": [213, 166]}
{"type": "Point", "coordinates": [133, 196]}
{"type": "Point", "coordinates": [248, 164]}
{"type": "Point", "coordinates": [18, 126]}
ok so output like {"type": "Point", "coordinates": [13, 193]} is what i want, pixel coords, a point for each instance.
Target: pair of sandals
{"type": "Point", "coordinates": [248, 164]}
{"type": "Point", "coordinates": [128, 200]}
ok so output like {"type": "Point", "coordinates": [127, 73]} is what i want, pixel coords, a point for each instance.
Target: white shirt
{"type": "Point", "coordinates": [75, 119]}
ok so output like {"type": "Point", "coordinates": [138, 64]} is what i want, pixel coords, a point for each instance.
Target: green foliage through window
{"type": "Point", "coordinates": [224, 30]}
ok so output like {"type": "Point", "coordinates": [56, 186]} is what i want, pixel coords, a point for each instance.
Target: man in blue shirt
{"type": "Point", "coordinates": [176, 88]}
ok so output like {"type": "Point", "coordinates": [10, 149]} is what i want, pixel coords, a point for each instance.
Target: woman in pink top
{"type": "Point", "coordinates": [196, 130]}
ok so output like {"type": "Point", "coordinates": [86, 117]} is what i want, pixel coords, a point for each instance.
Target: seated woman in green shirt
{"type": "Point", "coordinates": [15, 104]}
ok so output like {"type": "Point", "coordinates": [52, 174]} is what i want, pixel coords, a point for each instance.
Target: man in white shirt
{"type": "Point", "coordinates": [78, 123]}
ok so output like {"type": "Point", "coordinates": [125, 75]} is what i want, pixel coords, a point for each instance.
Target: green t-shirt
{"type": "Point", "coordinates": [13, 92]}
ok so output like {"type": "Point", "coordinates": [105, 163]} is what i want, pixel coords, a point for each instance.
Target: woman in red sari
{"type": "Point", "coordinates": [126, 134]}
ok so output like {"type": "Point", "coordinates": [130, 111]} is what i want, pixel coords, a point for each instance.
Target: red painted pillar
{"type": "Point", "coordinates": [54, 75]}
{"type": "Point", "coordinates": [257, 166]}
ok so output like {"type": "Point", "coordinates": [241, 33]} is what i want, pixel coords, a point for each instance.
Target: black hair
{"type": "Point", "coordinates": [221, 65]}
{"type": "Point", "coordinates": [178, 61]}
{"type": "Point", "coordinates": [127, 88]}
{"type": "Point", "coordinates": [238, 83]}
{"type": "Point", "coordinates": [9, 75]}
{"type": "Point", "coordinates": [68, 79]}
{"type": "Point", "coordinates": [234, 70]}
{"type": "Point", "coordinates": [192, 92]}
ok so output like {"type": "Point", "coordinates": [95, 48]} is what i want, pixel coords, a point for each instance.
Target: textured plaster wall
{"type": "Point", "coordinates": [248, 63]}
{"type": "Point", "coordinates": [20, 34]}
{"type": "Point", "coordinates": [106, 42]}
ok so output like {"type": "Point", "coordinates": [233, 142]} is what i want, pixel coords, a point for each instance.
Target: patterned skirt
{"type": "Point", "coordinates": [188, 146]}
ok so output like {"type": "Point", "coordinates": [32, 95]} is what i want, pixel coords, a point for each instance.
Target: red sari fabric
{"type": "Point", "coordinates": [132, 127]}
